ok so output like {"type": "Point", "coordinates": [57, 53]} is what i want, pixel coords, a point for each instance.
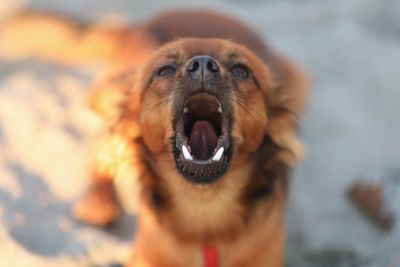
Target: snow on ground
{"type": "Point", "coordinates": [352, 128]}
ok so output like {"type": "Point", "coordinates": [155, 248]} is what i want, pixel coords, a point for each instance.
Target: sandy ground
{"type": "Point", "coordinates": [352, 128]}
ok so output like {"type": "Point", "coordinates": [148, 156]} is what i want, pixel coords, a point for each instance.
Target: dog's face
{"type": "Point", "coordinates": [204, 103]}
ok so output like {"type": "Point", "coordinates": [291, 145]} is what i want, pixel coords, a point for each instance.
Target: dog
{"type": "Point", "coordinates": [203, 112]}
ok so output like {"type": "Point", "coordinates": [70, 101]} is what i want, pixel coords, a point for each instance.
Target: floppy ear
{"type": "Point", "coordinates": [110, 91]}
{"type": "Point", "coordinates": [117, 99]}
{"type": "Point", "coordinates": [286, 100]}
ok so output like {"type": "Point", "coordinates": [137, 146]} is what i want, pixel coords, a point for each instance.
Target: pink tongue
{"type": "Point", "coordinates": [202, 140]}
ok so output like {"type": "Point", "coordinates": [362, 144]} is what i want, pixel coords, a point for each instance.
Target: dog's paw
{"type": "Point", "coordinates": [98, 206]}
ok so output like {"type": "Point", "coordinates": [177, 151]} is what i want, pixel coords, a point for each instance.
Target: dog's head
{"type": "Point", "coordinates": [208, 103]}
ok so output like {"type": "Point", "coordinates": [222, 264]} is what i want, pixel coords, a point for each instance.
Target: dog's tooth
{"type": "Point", "coordinates": [186, 153]}
{"type": "Point", "coordinates": [185, 110]}
{"type": "Point", "coordinates": [219, 109]}
{"type": "Point", "coordinates": [218, 155]}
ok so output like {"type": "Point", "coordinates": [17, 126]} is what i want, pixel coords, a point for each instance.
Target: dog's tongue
{"type": "Point", "coordinates": [202, 140]}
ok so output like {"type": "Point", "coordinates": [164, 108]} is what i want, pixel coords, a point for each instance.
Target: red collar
{"type": "Point", "coordinates": [210, 255]}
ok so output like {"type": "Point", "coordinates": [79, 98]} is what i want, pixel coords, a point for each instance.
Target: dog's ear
{"type": "Point", "coordinates": [116, 98]}
{"type": "Point", "coordinates": [286, 100]}
{"type": "Point", "coordinates": [109, 93]}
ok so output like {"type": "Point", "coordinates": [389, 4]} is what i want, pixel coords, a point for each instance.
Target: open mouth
{"type": "Point", "coordinates": [202, 142]}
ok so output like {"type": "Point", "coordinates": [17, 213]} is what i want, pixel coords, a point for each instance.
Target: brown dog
{"type": "Point", "coordinates": [205, 114]}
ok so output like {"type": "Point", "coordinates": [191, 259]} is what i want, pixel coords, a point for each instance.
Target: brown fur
{"type": "Point", "coordinates": [241, 214]}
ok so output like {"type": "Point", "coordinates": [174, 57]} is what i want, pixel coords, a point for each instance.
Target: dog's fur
{"type": "Point", "coordinates": [241, 214]}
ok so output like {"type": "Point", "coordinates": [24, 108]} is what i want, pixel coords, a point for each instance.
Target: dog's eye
{"type": "Point", "coordinates": [240, 71]}
{"type": "Point", "coordinates": [166, 71]}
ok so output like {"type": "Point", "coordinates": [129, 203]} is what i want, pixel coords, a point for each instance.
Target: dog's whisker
{"type": "Point", "coordinates": [246, 106]}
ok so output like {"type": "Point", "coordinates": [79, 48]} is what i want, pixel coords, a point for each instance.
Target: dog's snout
{"type": "Point", "coordinates": [202, 68]}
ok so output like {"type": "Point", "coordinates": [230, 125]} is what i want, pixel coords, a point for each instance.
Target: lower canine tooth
{"type": "Point", "coordinates": [186, 153]}
{"type": "Point", "coordinates": [218, 155]}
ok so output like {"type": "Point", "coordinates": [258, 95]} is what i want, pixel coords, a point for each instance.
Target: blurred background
{"type": "Point", "coordinates": [351, 49]}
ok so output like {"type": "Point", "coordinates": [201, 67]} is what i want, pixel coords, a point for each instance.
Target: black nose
{"type": "Point", "coordinates": [202, 68]}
